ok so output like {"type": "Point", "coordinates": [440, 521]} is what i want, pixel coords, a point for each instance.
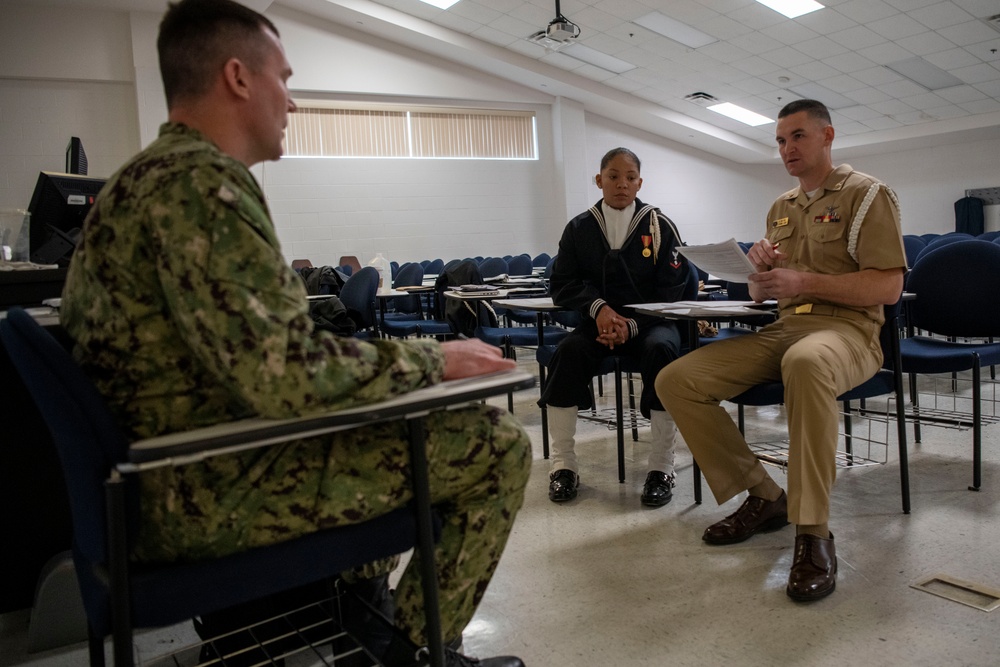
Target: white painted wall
{"type": "Point", "coordinates": [928, 181]}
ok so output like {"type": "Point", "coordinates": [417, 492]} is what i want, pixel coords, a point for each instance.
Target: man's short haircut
{"type": "Point", "coordinates": [197, 37]}
{"type": "Point", "coordinates": [814, 108]}
{"type": "Point", "coordinates": [615, 152]}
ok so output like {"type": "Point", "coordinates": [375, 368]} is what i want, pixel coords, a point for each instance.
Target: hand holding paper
{"type": "Point", "coordinates": [724, 260]}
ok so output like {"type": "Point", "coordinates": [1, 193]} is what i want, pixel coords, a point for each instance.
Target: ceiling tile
{"type": "Point", "coordinates": [902, 88]}
{"type": "Point", "coordinates": [867, 95]}
{"type": "Point", "coordinates": [991, 88]}
{"type": "Point", "coordinates": [909, 5]}
{"type": "Point", "coordinates": [786, 57]}
{"type": "Point", "coordinates": [847, 129]}
{"type": "Point", "coordinates": [788, 32]}
{"type": "Point", "coordinates": [595, 19]}
{"type": "Point", "coordinates": [941, 15]}
{"type": "Point", "coordinates": [494, 36]}
{"type": "Point", "coordinates": [685, 11]}
{"type": "Point", "coordinates": [723, 27]}
{"type": "Point", "coordinates": [825, 22]}
{"type": "Point", "coordinates": [595, 73]}
{"type": "Point", "coordinates": [859, 113]}
{"type": "Point", "coordinates": [952, 59]}
{"type": "Point", "coordinates": [724, 52]}
{"type": "Point", "coordinates": [925, 43]}
{"type": "Point", "coordinates": [891, 107]}
{"type": "Point", "coordinates": [856, 38]}
{"type": "Point", "coordinates": [821, 48]}
{"type": "Point", "coordinates": [876, 76]}
{"type": "Point", "coordinates": [473, 11]}
{"type": "Point", "coordinates": [849, 62]}
{"type": "Point", "coordinates": [971, 32]}
{"type": "Point", "coordinates": [988, 105]}
{"type": "Point", "coordinates": [456, 22]}
{"type": "Point", "coordinates": [604, 43]}
{"type": "Point", "coordinates": [925, 100]}
{"type": "Point", "coordinates": [842, 83]}
{"type": "Point", "coordinates": [959, 94]}
{"type": "Point", "coordinates": [755, 86]}
{"type": "Point", "coordinates": [980, 73]}
{"type": "Point", "coordinates": [883, 123]}
{"type": "Point", "coordinates": [897, 27]}
{"type": "Point", "coordinates": [625, 10]}
{"type": "Point", "coordinates": [512, 26]}
{"type": "Point", "coordinates": [502, 6]}
{"type": "Point", "coordinates": [980, 8]}
{"type": "Point", "coordinates": [753, 43]}
{"type": "Point", "coordinates": [885, 53]}
{"type": "Point", "coordinates": [866, 11]}
{"type": "Point", "coordinates": [814, 70]}
{"type": "Point", "coordinates": [756, 66]}
{"type": "Point", "coordinates": [756, 16]}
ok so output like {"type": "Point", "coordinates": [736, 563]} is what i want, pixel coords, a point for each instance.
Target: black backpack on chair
{"type": "Point", "coordinates": [463, 316]}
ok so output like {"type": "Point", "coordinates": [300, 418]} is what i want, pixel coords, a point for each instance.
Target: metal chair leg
{"type": "Point", "coordinates": [425, 540]}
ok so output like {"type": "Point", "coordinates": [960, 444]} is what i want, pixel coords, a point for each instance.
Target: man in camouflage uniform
{"type": "Point", "coordinates": [185, 314]}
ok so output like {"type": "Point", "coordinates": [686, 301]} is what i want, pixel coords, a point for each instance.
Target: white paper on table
{"type": "Point", "coordinates": [725, 260]}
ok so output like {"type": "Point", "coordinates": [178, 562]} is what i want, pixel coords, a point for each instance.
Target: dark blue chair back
{"type": "Point", "coordinates": [409, 275]}
{"type": "Point", "coordinates": [358, 294]}
{"type": "Point", "coordinates": [519, 265]}
{"type": "Point", "coordinates": [492, 267]}
{"type": "Point", "coordinates": [912, 245]}
{"type": "Point", "coordinates": [540, 260]}
{"type": "Point", "coordinates": [950, 283]}
{"type": "Point", "coordinates": [941, 241]}
{"type": "Point", "coordinates": [435, 267]}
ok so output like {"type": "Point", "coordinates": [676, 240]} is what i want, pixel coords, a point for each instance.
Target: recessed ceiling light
{"type": "Point", "coordinates": [675, 30]}
{"type": "Point", "coordinates": [597, 58]}
{"type": "Point", "coordinates": [440, 4]}
{"type": "Point", "coordinates": [739, 113]}
{"type": "Point", "coordinates": [790, 8]}
{"type": "Point", "coordinates": [922, 72]}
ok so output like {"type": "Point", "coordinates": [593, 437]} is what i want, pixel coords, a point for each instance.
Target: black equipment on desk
{"type": "Point", "coordinates": [59, 205]}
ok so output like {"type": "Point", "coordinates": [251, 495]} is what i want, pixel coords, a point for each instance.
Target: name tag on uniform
{"type": "Point", "coordinates": [780, 222]}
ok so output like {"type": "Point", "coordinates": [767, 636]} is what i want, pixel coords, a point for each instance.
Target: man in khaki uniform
{"type": "Point", "coordinates": [832, 256]}
{"type": "Point", "coordinates": [185, 314]}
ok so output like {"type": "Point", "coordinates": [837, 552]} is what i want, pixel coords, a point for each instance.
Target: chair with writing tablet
{"type": "Point", "coordinates": [100, 465]}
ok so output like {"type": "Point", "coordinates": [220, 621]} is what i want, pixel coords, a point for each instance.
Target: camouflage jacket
{"type": "Point", "coordinates": [185, 313]}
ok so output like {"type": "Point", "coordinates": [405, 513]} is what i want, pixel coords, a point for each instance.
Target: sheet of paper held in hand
{"type": "Point", "coordinates": [724, 260]}
{"type": "Point", "coordinates": [705, 309]}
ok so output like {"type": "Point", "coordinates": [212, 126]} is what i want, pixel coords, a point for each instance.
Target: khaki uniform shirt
{"type": "Point", "coordinates": [851, 223]}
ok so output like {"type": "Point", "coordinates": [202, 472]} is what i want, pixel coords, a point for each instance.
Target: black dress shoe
{"type": "Point", "coordinates": [562, 485]}
{"type": "Point", "coordinates": [656, 492]}
{"type": "Point", "coordinates": [814, 569]}
{"type": "Point", "coordinates": [755, 515]}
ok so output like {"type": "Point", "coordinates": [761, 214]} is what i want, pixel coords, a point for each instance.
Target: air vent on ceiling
{"type": "Point", "coordinates": [993, 21]}
{"type": "Point", "coordinates": [701, 99]}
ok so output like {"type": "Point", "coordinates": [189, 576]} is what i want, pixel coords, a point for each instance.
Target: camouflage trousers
{"type": "Point", "coordinates": [479, 459]}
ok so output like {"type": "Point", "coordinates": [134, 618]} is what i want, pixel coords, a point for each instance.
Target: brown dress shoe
{"type": "Point", "coordinates": [755, 515]}
{"type": "Point", "coordinates": [814, 568]}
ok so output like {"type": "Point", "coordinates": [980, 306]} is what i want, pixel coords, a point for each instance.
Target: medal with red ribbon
{"type": "Point", "coordinates": [646, 241]}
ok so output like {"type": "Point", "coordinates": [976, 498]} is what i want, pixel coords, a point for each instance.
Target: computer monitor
{"type": "Point", "coordinates": [76, 157]}
{"type": "Point", "coordinates": [58, 207]}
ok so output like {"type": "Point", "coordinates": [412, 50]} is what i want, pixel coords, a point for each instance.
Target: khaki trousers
{"type": "Point", "coordinates": [818, 357]}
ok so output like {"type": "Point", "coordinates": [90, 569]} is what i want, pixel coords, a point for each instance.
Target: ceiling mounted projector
{"type": "Point", "coordinates": [558, 33]}
{"type": "Point", "coordinates": [562, 29]}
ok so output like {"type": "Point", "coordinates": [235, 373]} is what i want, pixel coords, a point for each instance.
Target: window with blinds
{"type": "Point", "coordinates": [452, 133]}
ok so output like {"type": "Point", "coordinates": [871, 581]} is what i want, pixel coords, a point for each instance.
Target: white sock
{"type": "Point", "coordinates": [562, 434]}
{"type": "Point", "coordinates": [661, 455]}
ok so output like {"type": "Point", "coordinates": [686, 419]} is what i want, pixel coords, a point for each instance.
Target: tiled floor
{"type": "Point", "coordinates": [602, 581]}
